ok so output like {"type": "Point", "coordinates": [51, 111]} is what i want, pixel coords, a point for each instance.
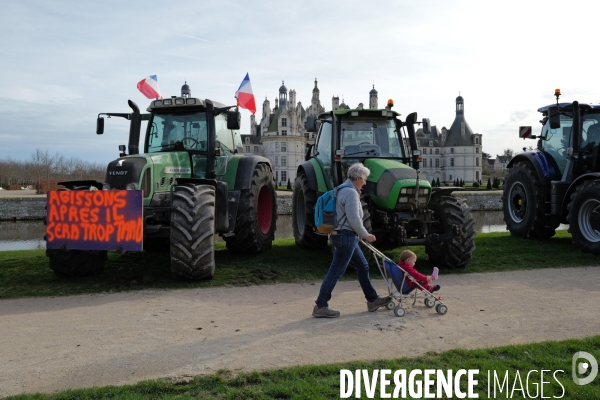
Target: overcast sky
{"type": "Point", "coordinates": [63, 62]}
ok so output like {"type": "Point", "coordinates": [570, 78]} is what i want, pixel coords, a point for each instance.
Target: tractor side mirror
{"type": "Point", "coordinates": [426, 126]}
{"type": "Point", "coordinates": [554, 117]}
{"type": "Point", "coordinates": [411, 119]}
{"type": "Point", "coordinates": [100, 126]}
{"type": "Point", "coordinates": [233, 120]}
{"type": "Point", "coordinates": [311, 123]}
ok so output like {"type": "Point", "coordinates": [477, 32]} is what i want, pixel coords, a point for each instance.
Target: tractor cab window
{"type": "Point", "coordinates": [323, 149]}
{"type": "Point", "coordinates": [558, 140]}
{"type": "Point", "coordinates": [370, 137]}
{"type": "Point", "coordinates": [177, 131]}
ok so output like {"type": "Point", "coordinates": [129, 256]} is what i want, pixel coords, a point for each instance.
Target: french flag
{"type": "Point", "coordinates": [244, 95]}
{"type": "Point", "coordinates": [149, 87]}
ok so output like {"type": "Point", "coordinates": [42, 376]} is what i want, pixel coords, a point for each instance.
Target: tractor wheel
{"type": "Point", "coordinates": [584, 216]}
{"type": "Point", "coordinates": [256, 215]}
{"type": "Point", "coordinates": [524, 204]}
{"type": "Point", "coordinates": [303, 215]}
{"type": "Point", "coordinates": [193, 232]}
{"type": "Point", "coordinates": [76, 262]}
{"type": "Point", "coordinates": [457, 252]}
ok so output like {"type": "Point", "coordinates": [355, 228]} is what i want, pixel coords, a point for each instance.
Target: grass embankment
{"type": "Point", "coordinates": [323, 381]}
{"type": "Point", "coordinates": [26, 273]}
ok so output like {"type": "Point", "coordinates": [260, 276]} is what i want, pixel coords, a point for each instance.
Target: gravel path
{"type": "Point", "coordinates": [51, 344]}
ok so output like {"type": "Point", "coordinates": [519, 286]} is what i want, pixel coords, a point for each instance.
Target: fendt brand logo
{"type": "Point", "coordinates": [581, 368]}
{"type": "Point", "coordinates": [118, 172]}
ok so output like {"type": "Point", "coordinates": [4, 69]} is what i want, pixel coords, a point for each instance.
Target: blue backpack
{"type": "Point", "coordinates": [325, 218]}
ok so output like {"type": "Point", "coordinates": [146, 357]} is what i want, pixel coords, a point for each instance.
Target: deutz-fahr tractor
{"type": "Point", "coordinates": [194, 183]}
{"type": "Point", "coordinates": [398, 206]}
{"type": "Point", "coordinates": [559, 181]}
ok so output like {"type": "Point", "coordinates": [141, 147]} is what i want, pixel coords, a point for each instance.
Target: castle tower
{"type": "Point", "coordinates": [282, 96]}
{"type": "Point", "coordinates": [373, 98]}
{"type": "Point", "coordinates": [335, 103]}
{"type": "Point", "coordinates": [185, 90]}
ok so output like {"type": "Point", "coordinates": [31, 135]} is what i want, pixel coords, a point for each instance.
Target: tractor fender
{"type": "Point", "coordinates": [245, 171]}
{"type": "Point", "coordinates": [221, 195]}
{"type": "Point", "coordinates": [311, 176]}
{"type": "Point", "coordinates": [573, 187]}
{"type": "Point", "coordinates": [544, 164]}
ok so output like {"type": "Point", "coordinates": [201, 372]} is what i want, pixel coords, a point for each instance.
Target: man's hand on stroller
{"type": "Point", "coordinates": [371, 238]}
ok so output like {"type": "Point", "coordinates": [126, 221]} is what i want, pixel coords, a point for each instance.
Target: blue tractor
{"type": "Point", "coordinates": [559, 181]}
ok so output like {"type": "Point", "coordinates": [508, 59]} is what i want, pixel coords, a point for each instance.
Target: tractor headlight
{"type": "Point", "coordinates": [106, 186]}
{"type": "Point", "coordinates": [424, 191]}
{"type": "Point", "coordinates": [131, 186]}
{"type": "Point", "coordinates": [407, 191]}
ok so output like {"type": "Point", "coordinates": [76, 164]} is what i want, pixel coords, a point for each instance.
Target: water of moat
{"type": "Point", "coordinates": [29, 235]}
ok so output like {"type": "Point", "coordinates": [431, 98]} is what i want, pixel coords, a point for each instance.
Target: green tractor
{"type": "Point", "coordinates": [398, 206]}
{"type": "Point", "coordinates": [194, 183]}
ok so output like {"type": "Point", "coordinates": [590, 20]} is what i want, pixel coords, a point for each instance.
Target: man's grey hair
{"type": "Point", "coordinates": [357, 170]}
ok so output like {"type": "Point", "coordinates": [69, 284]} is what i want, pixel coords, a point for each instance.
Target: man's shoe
{"type": "Point", "coordinates": [436, 288]}
{"type": "Point", "coordinates": [325, 312]}
{"type": "Point", "coordinates": [378, 302]}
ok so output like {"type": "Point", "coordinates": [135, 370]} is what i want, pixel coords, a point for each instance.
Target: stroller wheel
{"type": "Point", "coordinates": [429, 302]}
{"type": "Point", "coordinates": [390, 305]}
{"type": "Point", "coordinates": [399, 311]}
{"type": "Point", "coordinates": [441, 309]}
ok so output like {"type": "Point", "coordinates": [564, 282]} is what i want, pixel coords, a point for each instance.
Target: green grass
{"type": "Point", "coordinates": [323, 381]}
{"type": "Point", "coordinates": [26, 273]}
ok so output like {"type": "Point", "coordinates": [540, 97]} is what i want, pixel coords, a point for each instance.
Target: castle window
{"type": "Point", "coordinates": [276, 146]}
{"type": "Point", "coordinates": [256, 149]}
{"type": "Point", "coordinates": [476, 140]}
{"type": "Point", "coordinates": [452, 162]}
{"type": "Point", "coordinates": [437, 151]}
{"type": "Point", "coordinates": [277, 161]}
{"type": "Point", "coordinates": [247, 149]}
{"type": "Point", "coordinates": [247, 140]}
{"type": "Point", "coordinates": [424, 163]}
{"type": "Point", "coordinates": [477, 162]}
{"type": "Point", "coordinates": [283, 121]}
{"type": "Point", "coordinates": [476, 149]}
{"type": "Point", "coordinates": [430, 143]}
{"type": "Point", "coordinates": [284, 133]}
{"type": "Point", "coordinates": [283, 146]}
{"type": "Point", "coordinates": [437, 162]}
{"type": "Point", "coordinates": [283, 177]}
{"type": "Point", "coordinates": [452, 150]}
{"type": "Point", "coordinates": [283, 162]}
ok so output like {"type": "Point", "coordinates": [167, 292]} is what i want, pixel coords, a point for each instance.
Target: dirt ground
{"type": "Point", "coordinates": [51, 344]}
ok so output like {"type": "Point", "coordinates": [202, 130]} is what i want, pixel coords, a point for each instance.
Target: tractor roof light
{"type": "Point", "coordinates": [167, 102]}
{"type": "Point", "coordinates": [390, 103]}
{"type": "Point", "coordinates": [179, 101]}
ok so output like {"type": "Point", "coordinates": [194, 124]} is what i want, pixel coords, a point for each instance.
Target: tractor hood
{"type": "Point", "coordinates": [384, 175]}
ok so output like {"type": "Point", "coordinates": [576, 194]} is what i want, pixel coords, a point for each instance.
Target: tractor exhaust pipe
{"type": "Point", "coordinates": [134, 129]}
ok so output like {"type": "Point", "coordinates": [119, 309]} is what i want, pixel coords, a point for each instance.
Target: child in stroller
{"type": "Point", "coordinates": [407, 263]}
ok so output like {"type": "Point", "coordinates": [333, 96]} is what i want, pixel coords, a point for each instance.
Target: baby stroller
{"type": "Point", "coordinates": [390, 270]}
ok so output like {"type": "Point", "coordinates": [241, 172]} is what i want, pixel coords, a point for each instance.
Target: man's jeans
{"type": "Point", "coordinates": [346, 249]}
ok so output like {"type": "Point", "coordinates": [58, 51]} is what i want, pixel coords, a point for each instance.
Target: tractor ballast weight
{"type": "Point", "coordinates": [559, 181]}
{"type": "Point", "coordinates": [194, 181]}
{"type": "Point", "coordinates": [398, 206]}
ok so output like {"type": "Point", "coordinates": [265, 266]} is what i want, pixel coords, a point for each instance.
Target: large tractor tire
{"type": "Point", "coordinates": [458, 251]}
{"type": "Point", "coordinates": [584, 216]}
{"type": "Point", "coordinates": [257, 214]}
{"type": "Point", "coordinates": [523, 200]}
{"type": "Point", "coordinates": [193, 232]}
{"type": "Point", "coordinates": [303, 215]}
{"type": "Point", "coordinates": [76, 262]}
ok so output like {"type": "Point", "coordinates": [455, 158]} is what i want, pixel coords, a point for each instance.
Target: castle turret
{"type": "Point", "coordinates": [373, 98]}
